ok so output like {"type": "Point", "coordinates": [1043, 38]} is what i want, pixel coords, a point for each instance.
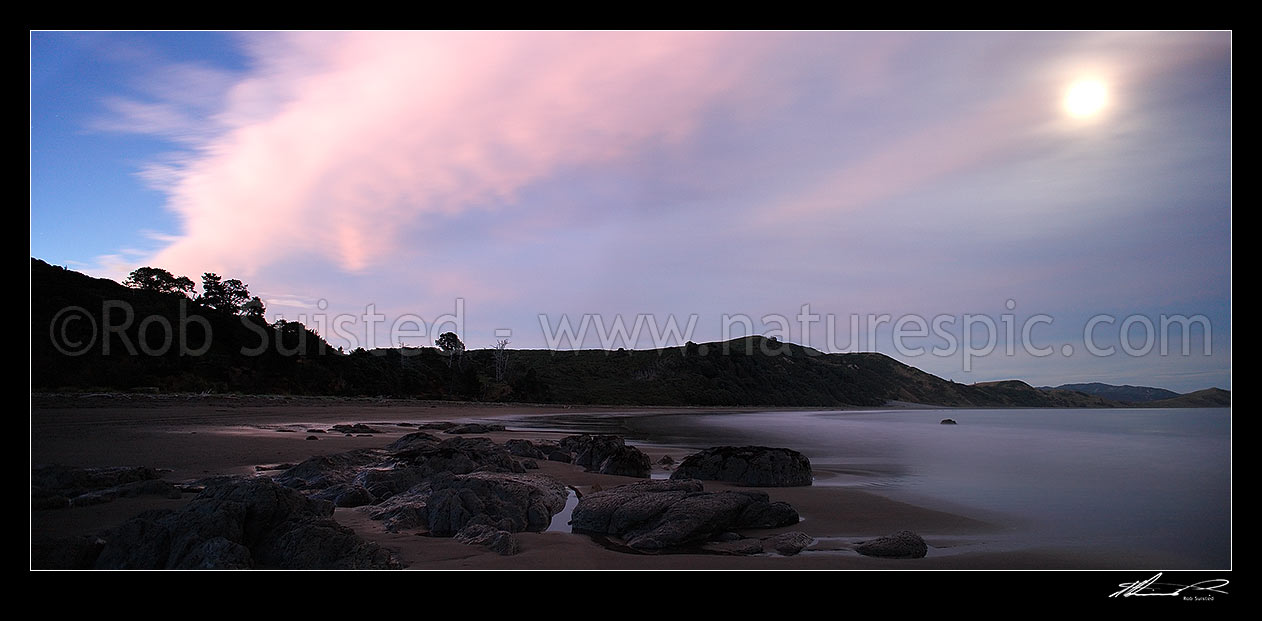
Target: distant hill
{"type": "Point", "coordinates": [1208, 398]}
{"type": "Point", "coordinates": [1131, 394]}
{"type": "Point", "coordinates": [751, 371]}
{"type": "Point", "coordinates": [1015, 393]}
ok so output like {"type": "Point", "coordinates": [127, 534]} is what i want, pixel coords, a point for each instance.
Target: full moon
{"type": "Point", "coordinates": [1086, 98]}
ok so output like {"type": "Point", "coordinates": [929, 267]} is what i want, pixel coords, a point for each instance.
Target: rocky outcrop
{"type": "Point", "coordinates": [446, 504]}
{"type": "Point", "coordinates": [606, 454]}
{"type": "Point", "coordinates": [499, 541]}
{"type": "Point", "coordinates": [241, 523]}
{"type": "Point", "coordinates": [948, 421]}
{"type": "Point", "coordinates": [789, 543]}
{"type": "Point", "coordinates": [660, 515]}
{"type": "Point", "coordinates": [903, 544]}
{"type": "Point", "coordinates": [757, 466]}
{"type": "Point", "coordinates": [524, 448]}
{"type": "Point", "coordinates": [61, 487]}
{"type": "Point", "coordinates": [356, 428]}
{"type": "Point", "coordinates": [368, 476]}
{"type": "Point", "coordinates": [325, 471]}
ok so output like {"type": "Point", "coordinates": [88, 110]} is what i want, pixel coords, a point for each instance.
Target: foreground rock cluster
{"type": "Point", "coordinates": [62, 487]}
{"type": "Point", "coordinates": [660, 515]}
{"type": "Point", "coordinates": [470, 488]}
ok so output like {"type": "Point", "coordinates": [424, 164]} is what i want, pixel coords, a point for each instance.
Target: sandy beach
{"type": "Point", "coordinates": [194, 438]}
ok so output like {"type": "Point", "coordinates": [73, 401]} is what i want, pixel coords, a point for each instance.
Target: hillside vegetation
{"type": "Point", "coordinates": [751, 371]}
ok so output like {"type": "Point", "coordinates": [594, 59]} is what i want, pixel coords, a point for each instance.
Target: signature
{"type": "Point", "coordinates": [1144, 588]}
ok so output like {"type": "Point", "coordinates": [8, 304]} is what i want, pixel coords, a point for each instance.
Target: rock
{"type": "Point", "coordinates": [71, 481]}
{"type": "Point", "coordinates": [324, 471]}
{"type": "Point", "coordinates": [736, 547]}
{"type": "Point", "coordinates": [903, 544]}
{"type": "Point", "coordinates": [499, 541]}
{"type": "Point", "coordinates": [666, 460]}
{"type": "Point", "coordinates": [384, 481]}
{"type": "Point", "coordinates": [312, 438]}
{"type": "Point", "coordinates": [445, 504]}
{"type": "Point", "coordinates": [240, 523]}
{"type": "Point", "coordinates": [459, 456]}
{"type": "Point", "coordinates": [368, 476]}
{"type": "Point", "coordinates": [357, 428]}
{"type": "Point", "coordinates": [757, 466]}
{"type": "Point", "coordinates": [948, 421]}
{"type": "Point", "coordinates": [60, 487]}
{"type": "Point", "coordinates": [316, 431]}
{"type": "Point", "coordinates": [524, 448]}
{"type": "Point", "coordinates": [627, 461]}
{"type": "Point", "coordinates": [413, 441]}
{"type": "Point", "coordinates": [607, 454]}
{"type": "Point", "coordinates": [529, 464]}
{"type": "Point", "coordinates": [405, 425]}
{"type": "Point", "coordinates": [789, 543]}
{"type": "Point", "coordinates": [353, 496]}
{"type": "Point", "coordinates": [474, 428]}
{"type": "Point", "coordinates": [560, 456]}
{"type": "Point", "coordinates": [658, 515]}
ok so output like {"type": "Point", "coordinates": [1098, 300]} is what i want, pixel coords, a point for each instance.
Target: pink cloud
{"type": "Point", "coordinates": [337, 142]}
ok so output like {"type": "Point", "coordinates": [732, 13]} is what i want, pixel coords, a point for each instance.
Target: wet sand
{"type": "Point", "coordinates": [195, 438]}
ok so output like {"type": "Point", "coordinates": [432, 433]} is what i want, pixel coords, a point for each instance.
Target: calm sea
{"type": "Point", "coordinates": [1155, 480]}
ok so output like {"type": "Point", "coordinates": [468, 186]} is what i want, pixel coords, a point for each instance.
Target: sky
{"type": "Point", "coordinates": [1053, 207]}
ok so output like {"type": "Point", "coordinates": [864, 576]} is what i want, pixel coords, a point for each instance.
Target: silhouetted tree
{"type": "Point", "coordinates": [501, 359]}
{"type": "Point", "coordinates": [223, 295]}
{"type": "Point", "coordinates": [451, 346]}
{"type": "Point", "coordinates": [254, 309]}
{"type": "Point", "coordinates": [158, 279]}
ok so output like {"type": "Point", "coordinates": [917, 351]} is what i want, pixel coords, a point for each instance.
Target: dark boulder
{"type": "Point", "coordinates": [948, 421]}
{"type": "Point", "coordinates": [324, 471]}
{"type": "Point", "coordinates": [344, 495]}
{"type": "Point", "coordinates": [241, 523]}
{"type": "Point", "coordinates": [412, 441]}
{"type": "Point", "coordinates": [355, 429]}
{"type": "Point", "coordinates": [499, 541]}
{"type": "Point", "coordinates": [756, 466]}
{"type": "Point", "coordinates": [524, 448]}
{"type": "Point", "coordinates": [903, 544]}
{"type": "Point", "coordinates": [659, 515]}
{"type": "Point", "coordinates": [561, 456]}
{"type": "Point", "coordinates": [445, 504]}
{"type": "Point", "coordinates": [460, 456]}
{"type": "Point", "coordinates": [626, 461]}
{"type": "Point", "coordinates": [607, 454]}
{"type": "Point", "coordinates": [789, 543]}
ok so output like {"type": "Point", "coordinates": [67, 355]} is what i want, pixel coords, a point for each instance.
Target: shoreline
{"type": "Point", "coordinates": [192, 441]}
